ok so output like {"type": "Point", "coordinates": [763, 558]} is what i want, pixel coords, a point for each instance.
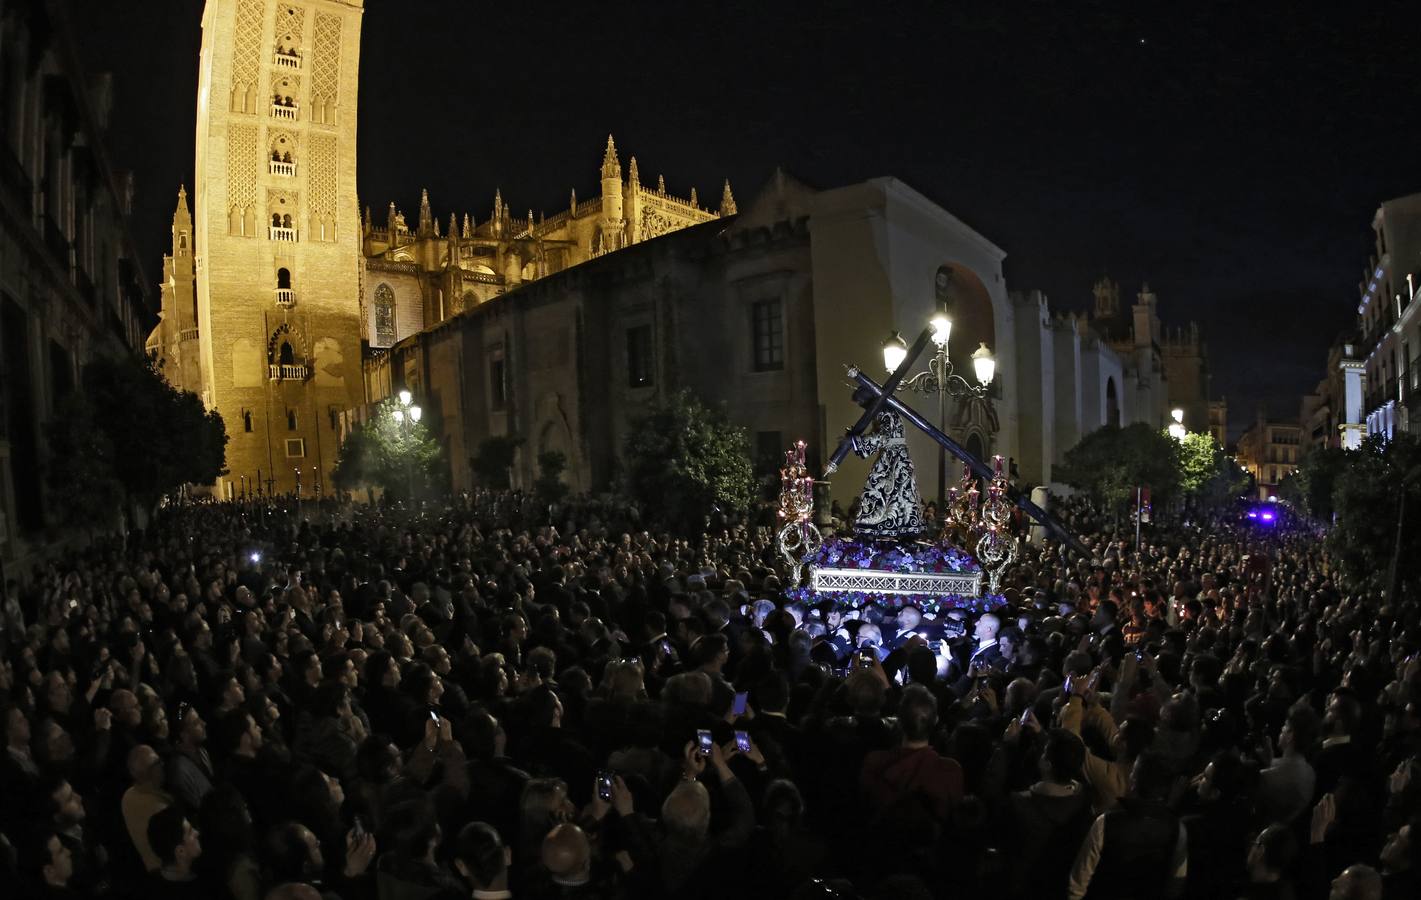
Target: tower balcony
{"type": "Point", "coordinates": [285, 298]}
{"type": "Point", "coordinates": [284, 169]}
{"type": "Point", "coordinates": [279, 111]}
{"type": "Point", "coordinates": [283, 59]}
{"type": "Point", "coordinates": [287, 372]}
{"type": "Point", "coordinates": [283, 234]}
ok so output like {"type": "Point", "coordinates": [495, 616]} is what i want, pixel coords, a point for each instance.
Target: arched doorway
{"type": "Point", "coordinates": [975, 446]}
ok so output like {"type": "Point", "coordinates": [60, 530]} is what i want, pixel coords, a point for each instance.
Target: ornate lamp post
{"type": "Point", "coordinates": [940, 379]}
{"type": "Point", "coordinates": [407, 414]}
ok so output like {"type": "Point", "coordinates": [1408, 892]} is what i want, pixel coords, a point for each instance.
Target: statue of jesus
{"type": "Point", "coordinates": [889, 507]}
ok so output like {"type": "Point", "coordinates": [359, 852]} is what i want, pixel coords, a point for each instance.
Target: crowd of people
{"type": "Point", "coordinates": [253, 701]}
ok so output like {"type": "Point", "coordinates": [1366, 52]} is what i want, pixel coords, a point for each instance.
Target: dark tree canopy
{"type": "Point", "coordinates": [684, 461]}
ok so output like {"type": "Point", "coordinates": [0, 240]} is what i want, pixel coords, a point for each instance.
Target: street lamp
{"type": "Point", "coordinates": [940, 379]}
{"type": "Point", "coordinates": [406, 415]}
{"type": "Point", "coordinates": [1176, 428]}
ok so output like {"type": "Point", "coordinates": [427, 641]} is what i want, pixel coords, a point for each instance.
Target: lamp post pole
{"type": "Point", "coordinates": [407, 414]}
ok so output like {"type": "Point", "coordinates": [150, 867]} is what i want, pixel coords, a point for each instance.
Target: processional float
{"type": "Point", "coordinates": [887, 561]}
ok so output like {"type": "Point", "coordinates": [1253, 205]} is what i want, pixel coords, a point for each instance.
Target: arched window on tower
{"type": "Point", "coordinates": [284, 295]}
{"type": "Point", "coordinates": [384, 315]}
{"type": "Point", "coordinates": [287, 355]}
{"type": "Point", "coordinates": [247, 420]}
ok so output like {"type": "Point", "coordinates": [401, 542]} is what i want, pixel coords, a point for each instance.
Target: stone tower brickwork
{"type": "Point", "coordinates": [175, 340]}
{"type": "Point", "coordinates": [277, 233]}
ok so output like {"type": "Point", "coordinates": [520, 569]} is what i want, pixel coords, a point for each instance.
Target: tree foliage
{"type": "Point", "coordinates": [684, 460]}
{"type": "Point", "coordinates": [1310, 486]}
{"type": "Point", "coordinates": [1207, 476]}
{"type": "Point", "coordinates": [1110, 462]}
{"type": "Point", "coordinates": [80, 472]}
{"type": "Point", "coordinates": [548, 487]}
{"type": "Point", "coordinates": [493, 463]}
{"type": "Point", "coordinates": [395, 457]}
{"type": "Point", "coordinates": [1370, 485]}
{"type": "Point", "coordinates": [155, 438]}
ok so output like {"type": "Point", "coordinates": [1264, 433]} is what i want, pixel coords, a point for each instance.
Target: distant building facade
{"type": "Point", "coordinates": [1164, 370]}
{"type": "Point", "coordinates": [71, 287]}
{"type": "Point", "coordinates": [1270, 450]}
{"type": "Point", "coordinates": [1331, 416]}
{"type": "Point", "coordinates": [1389, 325]}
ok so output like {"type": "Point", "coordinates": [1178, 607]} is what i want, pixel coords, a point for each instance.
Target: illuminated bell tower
{"type": "Point", "coordinates": [277, 234]}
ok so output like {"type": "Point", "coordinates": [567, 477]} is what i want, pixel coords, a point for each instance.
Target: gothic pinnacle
{"type": "Point", "coordinates": [633, 176]}
{"type": "Point", "coordinates": [611, 168]}
{"type": "Point", "coordinates": [694, 200]}
{"type": "Point", "coordinates": [661, 184]}
{"type": "Point", "coordinates": [727, 200]}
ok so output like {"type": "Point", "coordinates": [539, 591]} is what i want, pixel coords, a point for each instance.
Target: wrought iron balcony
{"type": "Point", "coordinates": [287, 373]}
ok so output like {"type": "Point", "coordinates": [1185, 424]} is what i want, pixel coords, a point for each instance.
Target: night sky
{"type": "Point", "coordinates": [1232, 156]}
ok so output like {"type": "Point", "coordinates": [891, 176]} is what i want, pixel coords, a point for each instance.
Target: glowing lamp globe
{"type": "Point", "coordinates": [415, 413]}
{"type": "Point", "coordinates": [984, 364]}
{"type": "Point", "coordinates": [942, 329]}
{"type": "Point", "coordinates": [895, 350]}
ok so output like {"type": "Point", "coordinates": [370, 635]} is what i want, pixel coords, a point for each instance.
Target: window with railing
{"type": "Point", "coordinates": [286, 59]}
{"type": "Point", "coordinates": [285, 296]}
{"type": "Point", "coordinates": [283, 108]}
{"type": "Point", "coordinates": [284, 168]}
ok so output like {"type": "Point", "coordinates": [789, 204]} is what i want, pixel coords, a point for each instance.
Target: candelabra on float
{"type": "Point", "coordinates": [799, 538]}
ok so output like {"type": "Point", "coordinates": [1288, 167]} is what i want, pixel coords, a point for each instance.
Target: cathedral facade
{"type": "Point", "coordinates": [417, 277]}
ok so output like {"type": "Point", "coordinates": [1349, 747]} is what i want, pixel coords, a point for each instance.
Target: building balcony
{"type": "Point", "coordinates": [285, 298]}
{"type": "Point", "coordinates": [286, 60]}
{"type": "Point", "coordinates": [187, 334]}
{"type": "Point", "coordinates": [283, 234]}
{"type": "Point", "coordinates": [283, 112]}
{"type": "Point", "coordinates": [286, 373]}
{"type": "Point", "coordinates": [284, 169]}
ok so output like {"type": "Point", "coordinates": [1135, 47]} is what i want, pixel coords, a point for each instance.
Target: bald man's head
{"type": "Point", "coordinates": [686, 811]}
{"type": "Point", "coordinates": [145, 766]}
{"type": "Point", "coordinates": [567, 855]}
{"type": "Point", "coordinates": [1357, 883]}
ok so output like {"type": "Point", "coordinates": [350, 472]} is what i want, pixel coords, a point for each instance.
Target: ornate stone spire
{"type": "Point", "coordinates": [611, 168]}
{"type": "Point", "coordinates": [633, 176]}
{"type": "Point", "coordinates": [369, 221]}
{"type": "Point", "coordinates": [727, 200]}
{"type": "Point", "coordinates": [530, 221]}
{"type": "Point", "coordinates": [391, 219]}
{"type": "Point", "coordinates": [661, 184]}
{"type": "Point", "coordinates": [468, 227]}
{"type": "Point", "coordinates": [453, 242]}
{"type": "Point", "coordinates": [426, 218]}
{"type": "Point", "coordinates": [572, 206]}
{"type": "Point", "coordinates": [694, 200]}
